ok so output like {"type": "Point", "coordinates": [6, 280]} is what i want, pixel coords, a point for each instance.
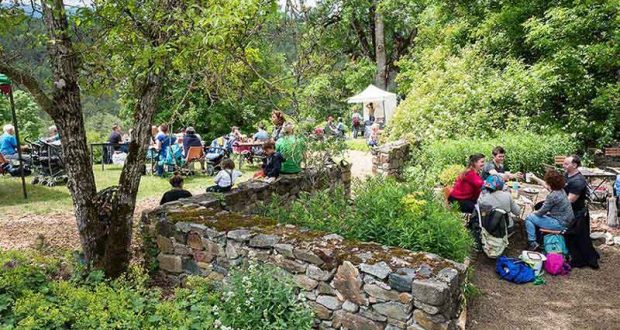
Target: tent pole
{"type": "Point", "coordinates": [19, 149]}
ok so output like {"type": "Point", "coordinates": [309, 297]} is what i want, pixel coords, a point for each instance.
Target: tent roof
{"type": "Point", "coordinates": [370, 94]}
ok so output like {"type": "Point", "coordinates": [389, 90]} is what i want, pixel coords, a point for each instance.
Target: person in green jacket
{"type": "Point", "coordinates": [292, 149]}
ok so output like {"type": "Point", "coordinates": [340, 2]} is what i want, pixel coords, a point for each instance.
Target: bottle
{"type": "Point", "coordinates": [515, 189]}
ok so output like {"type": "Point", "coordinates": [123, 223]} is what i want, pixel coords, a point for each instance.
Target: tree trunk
{"type": "Point", "coordinates": [381, 57]}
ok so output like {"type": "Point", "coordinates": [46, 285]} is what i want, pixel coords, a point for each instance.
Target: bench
{"type": "Point", "coordinates": [612, 152]}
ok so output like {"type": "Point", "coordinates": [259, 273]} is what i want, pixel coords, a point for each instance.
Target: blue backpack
{"type": "Point", "coordinates": [514, 270]}
{"type": "Point", "coordinates": [555, 243]}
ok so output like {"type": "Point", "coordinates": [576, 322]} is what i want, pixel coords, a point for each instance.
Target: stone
{"type": "Point", "coordinates": [165, 244]}
{"type": "Point", "coordinates": [392, 327]}
{"type": "Point", "coordinates": [234, 250]}
{"type": "Point", "coordinates": [330, 302]}
{"type": "Point", "coordinates": [371, 314]}
{"type": "Point", "coordinates": [263, 241]}
{"type": "Point", "coordinates": [324, 288]}
{"type": "Point", "coordinates": [333, 237]}
{"type": "Point", "coordinates": [310, 295]}
{"type": "Point", "coordinates": [170, 263]}
{"type": "Point", "coordinates": [431, 310]}
{"type": "Point", "coordinates": [307, 256]}
{"type": "Point", "coordinates": [211, 251]}
{"type": "Point", "coordinates": [200, 229]}
{"type": "Point", "coordinates": [190, 266]}
{"type": "Point", "coordinates": [292, 266]}
{"type": "Point", "coordinates": [350, 307]}
{"type": "Point", "coordinates": [240, 235]}
{"type": "Point", "coordinates": [450, 276]}
{"type": "Point", "coordinates": [425, 271]}
{"type": "Point", "coordinates": [617, 240]}
{"type": "Point", "coordinates": [431, 291]}
{"type": "Point", "coordinates": [180, 249]}
{"type": "Point", "coordinates": [375, 291]}
{"type": "Point", "coordinates": [321, 312]}
{"type": "Point", "coordinates": [183, 227]}
{"type": "Point", "coordinates": [354, 321]}
{"type": "Point", "coordinates": [305, 282]}
{"type": "Point", "coordinates": [431, 322]}
{"type": "Point", "coordinates": [213, 234]}
{"type": "Point", "coordinates": [319, 274]}
{"type": "Point", "coordinates": [609, 239]}
{"type": "Point", "coordinates": [380, 270]}
{"type": "Point", "coordinates": [285, 250]}
{"type": "Point", "coordinates": [394, 310]}
{"type": "Point", "coordinates": [194, 240]}
{"type": "Point", "coordinates": [405, 298]}
{"type": "Point", "coordinates": [396, 324]}
{"type": "Point", "coordinates": [348, 282]}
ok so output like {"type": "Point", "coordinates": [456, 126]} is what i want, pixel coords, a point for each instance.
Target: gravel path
{"type": "Point", "coordinates": [361, 163]}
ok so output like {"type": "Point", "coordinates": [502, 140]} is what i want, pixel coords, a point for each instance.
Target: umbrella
{"type": "Point", "coordinates": [6, 88]}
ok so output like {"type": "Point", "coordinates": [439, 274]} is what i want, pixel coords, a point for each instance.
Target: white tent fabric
{"type": "Point", "coordinates": [384, 102]}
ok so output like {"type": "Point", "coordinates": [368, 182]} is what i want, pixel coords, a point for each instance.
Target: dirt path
{"type": "Point", "coordinates": [585, 299]}
{"type": "Point", "coordinates": [361, 163]}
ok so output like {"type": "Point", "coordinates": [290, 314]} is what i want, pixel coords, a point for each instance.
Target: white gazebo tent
{"type": "Point", "coordinates": [384, 103]}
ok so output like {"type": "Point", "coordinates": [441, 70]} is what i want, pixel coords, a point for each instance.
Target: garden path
{"type": "Point", "coordinates": [361, 163]}
{"type": "Point", "coordinates": [585, 299]}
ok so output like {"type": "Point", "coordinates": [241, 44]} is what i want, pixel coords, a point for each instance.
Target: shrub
{"type": "Point", "coordinates": [448, 175]}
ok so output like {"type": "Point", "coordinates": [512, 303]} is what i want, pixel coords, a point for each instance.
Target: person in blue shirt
{"type": "Point", "coordinates": [262, 134]}
{"type": "Point", "coordinates": [162, 142]}
{"type": "Point", "coordinates": [8, 142]}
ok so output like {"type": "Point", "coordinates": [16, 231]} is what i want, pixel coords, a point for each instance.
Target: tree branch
{"type": "Point", "coordinates": [31, 84]}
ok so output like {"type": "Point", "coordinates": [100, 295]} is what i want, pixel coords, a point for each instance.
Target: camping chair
{"type": "Point", "coordinates": [2, 162]}
{"type": "Point", "coordinates": [194, 154]}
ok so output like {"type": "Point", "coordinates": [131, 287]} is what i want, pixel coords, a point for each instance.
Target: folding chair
{"type": "Point", "coordinates": [194, 154]}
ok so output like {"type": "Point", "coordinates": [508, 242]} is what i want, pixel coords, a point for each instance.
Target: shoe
{"type": "Point", "coordinates": [533, 246]}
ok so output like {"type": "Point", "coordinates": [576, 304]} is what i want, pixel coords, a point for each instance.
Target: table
{"type": "Point", "coordinates": [592, 174]}
{"type": "Point", "coordinates": [245, 149]}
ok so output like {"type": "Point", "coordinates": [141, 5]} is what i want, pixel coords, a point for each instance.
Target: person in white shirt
{"type": "Point", "coordinates": [226, 178]}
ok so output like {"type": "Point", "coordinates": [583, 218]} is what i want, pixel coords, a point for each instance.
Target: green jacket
{"type": "Point", "coordinates": [292, 149]}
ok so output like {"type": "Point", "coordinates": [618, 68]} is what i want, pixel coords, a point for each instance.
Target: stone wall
{"type": "Point", "coordinates": [349, 285]}
{"type": "Point", "coordinates": [389, 159]}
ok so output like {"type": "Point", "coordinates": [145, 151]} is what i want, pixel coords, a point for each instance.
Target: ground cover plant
{"type": "Point", "coordinates": [38, 292]}
{"type": "Point", "coordinates": [384, 211]}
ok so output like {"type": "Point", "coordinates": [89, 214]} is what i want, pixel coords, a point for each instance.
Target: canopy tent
{"type": "Point", "coordinates": [6, 88]}
{"type": "Point", "coordinates": [384, 102]}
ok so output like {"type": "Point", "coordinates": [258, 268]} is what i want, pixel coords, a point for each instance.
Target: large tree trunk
{"type": "Point", "coordinates": [381, 57]}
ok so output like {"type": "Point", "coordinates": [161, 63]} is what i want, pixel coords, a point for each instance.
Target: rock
{"type": "Point", "coordinates": [213, 234]}
{"type": "Point", "coordinates": [180, 249]}
{"type": "Point", "coordinates": [405, 298]}
{"type": "Point", "coordinates": [264, 241]}
{"type": "Point", "coordinates": [291, 266]}
{"type": "Point", "coordinates": [450, 276]}
{"type": "Point", "coordinates": [364, 256]}
{"type": "Point", "coordinates": [380, 270]}
{"type": "Point", "coordinates": [354, 322]}
{"type": "Point", "coordinates": [165, 244]}
{"type": "Point", "coordinates": [348, 282]}
{"type": "Point", "coordinates": [617, 240]}
{"type": "Point", "coordinates": [183, 227]}
{"type": "Point", "coordinates": [305, 282]}
{"type": "Point", "coordinates": [431, 291]}
{"type": "Point", "coordinates": [371, 314]}
{"type": "Point", "coordinates": [310, 295]}
{"type": "Point", "coordinates": [200, 229]}
{"type": "Point", "coordinates": [431, 322]}
{"type": "Point", "coordinates": [211, 251]}
{"type": "Point", "coordinates": [307, 256]}
{"type": "Point", "coordinates": [392, 327]}
{"type": "Point", "coordinates": [240, 235]}
{"type": "Point", "coordinates": [431, 310]}
{"type": "Point", "coordinates": [425, 270]}
{"type": "Point", "coordinates": [319, 274]}
{"type": "Point", "coordinates": [194, 240]}
{"type": "Point", "coordinates": [190, 266]}
{"type": "Point", "coordinates": [609, 239]}
{"type": "Point", "coordinates": [597, 235]}
{"type": "Point", "coordinates": [234, 250]}
{"type": "Point", "coordinates": [330, 302]}
{"type": "Point", "coordinates": [350, 307]}
{"type": "Point", "coordinates": [394, 310]}
{"type": "Point", "coordinates": [321, 312]}
{"type": "Point", "coordinates": [170, 263]}
{"type": "Point", "coordinates": [377, 292]}
{"type": "Point", "coordinates": [324, 288]}
{"type": "Point", "coordinates": [285, 250]}
{"type": "Point", "coordinates": [333, 237]}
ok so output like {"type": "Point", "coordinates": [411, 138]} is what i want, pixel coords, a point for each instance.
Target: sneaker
{"type": "Point", "coordinates": [533, 246]}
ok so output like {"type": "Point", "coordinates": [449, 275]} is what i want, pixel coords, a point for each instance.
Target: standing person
{"type": "Point", "coordinates": [578, 241]}
{"type": "Point", "coordinates": [8, 142]}
{"type": "Point", "coordinates": [371, 112]}
{"type": "Point", "coordinates": [162, 142]}
{"type": "Point", "coordinates": [292, 149]}
{"type": "Point", "coordinates": [177, 192]}
{"type": "Point", "coordinates": [226, 178]}
{"type": "Point", "coordinates": [496, 166]}
{"type": "Point", "coordinates": [277, 118]}
{"type": "Point", "coordinates": [356, 124]}
{"type": "Point", "coordinates": [261, 135]}
{"type": "Point", "coordinates": [468, 185]}
{"type": "Point", "coordinates": [116, 137]}
{"type": "Point", "coordinates": [556, 212]}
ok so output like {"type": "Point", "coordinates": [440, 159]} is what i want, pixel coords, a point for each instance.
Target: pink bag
{"type": "Point", "coordinates": [555, 264]}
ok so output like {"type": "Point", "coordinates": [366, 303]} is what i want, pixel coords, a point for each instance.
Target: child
{"type": "Point", "coordinates": [373, 138]}
{"type": "Point", "coordinates": [177, 191]}
{"type": "Point", "coordinates": [272, 162]}
{"type": "Point", "coordinates": [226, 178]}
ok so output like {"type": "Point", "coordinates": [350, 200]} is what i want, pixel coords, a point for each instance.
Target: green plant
{"type": "Point", "coordinates": [448, 175]}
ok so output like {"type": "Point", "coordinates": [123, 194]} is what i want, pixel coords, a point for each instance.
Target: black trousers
{"type": "Point", "coordinates": [465, 206]}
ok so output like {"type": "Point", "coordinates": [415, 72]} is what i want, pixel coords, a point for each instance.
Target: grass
{"type": "Point", "coordinates": [44, 200]}
{"type": "Point", "coordinates": [357, 144]}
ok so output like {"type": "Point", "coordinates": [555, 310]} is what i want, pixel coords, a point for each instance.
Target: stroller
{"type": "Point", "coordinates": [214, 155]}
{"type": "Point", "coordinates": [174, 159]}
{"type": "Point", "coordinates": [47, 161]}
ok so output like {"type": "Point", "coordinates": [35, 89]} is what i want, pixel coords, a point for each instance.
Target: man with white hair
{"type": "Point", "coordinates": [53, 135]}
{"type": "Point", "coordinates": [8, 142]}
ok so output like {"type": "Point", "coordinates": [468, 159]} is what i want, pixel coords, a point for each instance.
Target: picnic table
{"type": "Point", "coordinates": [246, 150]}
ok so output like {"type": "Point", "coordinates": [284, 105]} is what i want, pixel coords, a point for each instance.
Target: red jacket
{"type": "Point", "coordinates": [467, 186]}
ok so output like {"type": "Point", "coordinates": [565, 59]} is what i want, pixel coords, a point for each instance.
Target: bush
{"type": "Point", "coordinates": [448, 175]}
{"type": "Point", "coordinates": [35, 294]}
{"type": "Point", "coordinates": [383, 211]}
{"type": "Point", "coordinates": [525, 151]}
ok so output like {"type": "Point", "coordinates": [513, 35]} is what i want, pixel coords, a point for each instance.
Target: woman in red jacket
{"type": "Point", "coordinates": [468, 185]}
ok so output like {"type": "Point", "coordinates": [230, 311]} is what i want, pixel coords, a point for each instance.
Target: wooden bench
{"type": "Point", "coordinates": [559, 160]}
{"type": "Point", "coordinates": [612, 152]}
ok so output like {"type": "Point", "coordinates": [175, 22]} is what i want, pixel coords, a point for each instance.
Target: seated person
{"type": "Point", "coordinates": [271, 163]}
{"type": "Point", "coordinates": [373, 137]}
{"type": "Point", "coordinates": [494, 197]}
{"type": "Point", "coordinates": [262, 134]}
{"type": "Point", "coordinates": [468, 185]}
{"type": "Point", "coordinates": [292, 149]}
{"type": "Point", "coordinates": [496, 166]}
{"type": "Point", "coordinates": [556, 212]}
{"type": "Point", "coordinates": [53, 135]}
{"type": "Point", "coordinates": [190, 140]}
{"type": "Point", "coordinates": [330, 127]}
{"type": "Point", "coordinates": [177, 191]}
{"type": "Point", "coordinates": [226, 178]}
{"type": "Point", "coordinates": [8, 142]}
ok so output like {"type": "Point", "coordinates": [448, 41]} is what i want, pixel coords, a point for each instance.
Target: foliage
{"type": "Point", "coordinates": [29, 117]}
{"type": "Point", "coordinates": [357, 144]}
{"type": "Point", "coordinates": [383, 211]}
{"type": "Point", "coordinates": [41, 293]}
{"type": "Point", "coordinates": [448, 175]}
{"type": "Point", "coordinates": [525, 152]}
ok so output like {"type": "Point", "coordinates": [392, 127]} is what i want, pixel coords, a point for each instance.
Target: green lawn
{"type": "Point", "coordinates": [357, 144]}
{"type": "Point", "coordinates": [45, 200]}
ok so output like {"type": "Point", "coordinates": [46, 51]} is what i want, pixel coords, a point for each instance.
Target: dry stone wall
{"type": "Point", "coordinates": [390, 159]}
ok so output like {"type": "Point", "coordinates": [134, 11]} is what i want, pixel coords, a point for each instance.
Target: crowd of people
{"type": "Point", "coordinates": [481, 187]}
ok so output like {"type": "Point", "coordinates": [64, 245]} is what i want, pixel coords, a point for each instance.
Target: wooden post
{"type": "Point", "coordinates": [612, 212]}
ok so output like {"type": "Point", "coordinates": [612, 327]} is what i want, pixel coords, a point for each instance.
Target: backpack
{"type": "Point", "coordinates": [514, 270]}
{"type": "Point", "coordinates": [555, 244]}
{"type": "Point", "coordinates": [555, 264]}
{"type": "Point", "coordinates": [493, 231]}
{"type": "Point", "coordinates": [356, 121]}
